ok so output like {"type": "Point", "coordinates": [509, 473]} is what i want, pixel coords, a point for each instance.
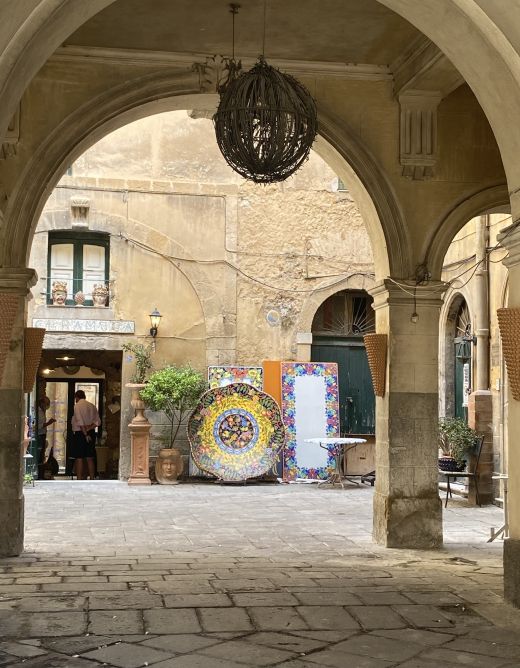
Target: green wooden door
{"type": "Point", "coordinates": [356, 393]}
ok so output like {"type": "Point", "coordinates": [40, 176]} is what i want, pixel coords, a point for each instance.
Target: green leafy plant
{"type": "Point", "coordinates": [143, 360]}
{"type": "Point", "coordinates": [456, 439]}
{"type": "Point", "coordinates": [174, 390]}
{"type": "Point", "coordinates": [28, 479]}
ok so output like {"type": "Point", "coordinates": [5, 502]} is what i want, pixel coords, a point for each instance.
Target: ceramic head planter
{"type": "Point", "coordinates": [168, 466]}
{"type": "Point", "coordinates": [59, 293]}
{"type": "Point", "coordinates": [100, 295]}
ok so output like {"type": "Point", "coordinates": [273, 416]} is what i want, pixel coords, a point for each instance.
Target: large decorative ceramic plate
{"type": "Point", "coordinates": [236, 432]}
{"type": "Point", "coordinates": [220, 376]}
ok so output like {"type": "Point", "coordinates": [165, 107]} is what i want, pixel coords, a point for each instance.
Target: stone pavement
{"type": "Point", "coordinates": [209, 576]}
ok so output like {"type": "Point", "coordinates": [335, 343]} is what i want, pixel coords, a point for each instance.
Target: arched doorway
{"type": "Point", "coordinates": [463, 343]}
{"type": "Point", "coordinates": [337, 334]}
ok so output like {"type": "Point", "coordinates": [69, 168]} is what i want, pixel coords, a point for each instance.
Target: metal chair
{"type": "Point", "coordinates": [474, 475]}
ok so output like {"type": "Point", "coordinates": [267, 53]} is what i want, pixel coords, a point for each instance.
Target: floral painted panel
{"type": "Point", "coordinates": [310, 409]}
{"type": "Point", "coordinates": [236, 432]}
{"type": "Point", "coordinates": [220, 376]}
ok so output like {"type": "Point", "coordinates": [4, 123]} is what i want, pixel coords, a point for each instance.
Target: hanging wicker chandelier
{"type": "Point", "coordinates": [266, 122]}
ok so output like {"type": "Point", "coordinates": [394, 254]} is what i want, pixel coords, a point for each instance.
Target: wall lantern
{"type": "Point", "coordinates": [155, 319]}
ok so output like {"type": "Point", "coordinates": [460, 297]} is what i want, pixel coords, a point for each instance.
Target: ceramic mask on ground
{"type": "Point", "coordinates": [168, 466]}
{"type": "Point", "coordinates": [236, 432]}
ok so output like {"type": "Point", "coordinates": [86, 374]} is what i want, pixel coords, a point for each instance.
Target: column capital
{"type": "Point", "coordinates": [509, 238]}
{"type": "Point", "coordinates": [406, 293]}
{"type": "Point", "coordinates": [17, 280]}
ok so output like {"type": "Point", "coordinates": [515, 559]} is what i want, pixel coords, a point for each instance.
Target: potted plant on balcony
{"type": "Point", "coordinates": [173, 390]}
{"type": "Point", "coordinates": [143, 363]}
{"type": "Point", "coordinates": [456, 442]}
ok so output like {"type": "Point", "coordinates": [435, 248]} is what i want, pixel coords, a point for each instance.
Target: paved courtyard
{"type": "Point", "coordinates": [209, 576]}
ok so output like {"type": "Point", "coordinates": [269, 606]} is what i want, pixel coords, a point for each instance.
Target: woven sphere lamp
{"type": "Point", "coordinates": [265, 124]}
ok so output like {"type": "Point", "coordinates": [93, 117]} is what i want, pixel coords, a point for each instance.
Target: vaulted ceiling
{"type": "Point", "coordinates": [350, 31]}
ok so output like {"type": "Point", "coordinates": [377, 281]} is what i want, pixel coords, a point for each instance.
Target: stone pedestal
{"type": "Point", "coordinates": [139, 439]}
{"type": "Point", "coordinates": [16, 282]}
{"type": "Point", "coordinates": [407, 507]}
{"type": "Point", "coordinates": [140, 448]}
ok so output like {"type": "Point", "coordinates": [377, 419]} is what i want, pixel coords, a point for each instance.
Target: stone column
{"type": "Point", "coordinates": [480, 403]}
{"type": "Point", "coordinates": [407, 507]}
{"type": "Point", "coordinates": [510, 239]}
{"type": "Point", "coordinates": [16, 282]}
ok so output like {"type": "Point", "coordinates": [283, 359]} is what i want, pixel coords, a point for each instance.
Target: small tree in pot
{"type": "Point", "coordinates": [143, 361]}
{"type": "Point", "coordinates": [173, 390]}
{"type": "Point", "coordinates": [457, 442]}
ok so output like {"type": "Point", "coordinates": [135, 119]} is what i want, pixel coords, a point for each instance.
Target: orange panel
{"type": "Point", "coordinates": [273, 379]}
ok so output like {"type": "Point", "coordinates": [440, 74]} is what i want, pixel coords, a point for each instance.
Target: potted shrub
{"type": "Point", "coordinates": [173, 390]}
{"type": "Point", "coordinates": [457, 442]}
{"type": "Point", "coordinates": [143, 364]}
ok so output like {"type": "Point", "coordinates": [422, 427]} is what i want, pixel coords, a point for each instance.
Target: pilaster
{"type": "Point", "coordinates": [418, 133]}
{"type": "Point", "coordinates": [16, 282]}
{"type": "Point", "coordinates": [407, 508]}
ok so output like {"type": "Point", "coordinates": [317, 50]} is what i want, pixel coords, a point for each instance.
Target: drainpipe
{"type": "Point", "coordinates": [482, 304]}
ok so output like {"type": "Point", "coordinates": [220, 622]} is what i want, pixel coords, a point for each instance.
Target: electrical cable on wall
{"type": "Point", "coordinates": [172, 259]}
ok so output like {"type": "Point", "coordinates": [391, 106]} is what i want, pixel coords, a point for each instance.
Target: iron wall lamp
{"type": "Point", "coordinates": [155, 319]}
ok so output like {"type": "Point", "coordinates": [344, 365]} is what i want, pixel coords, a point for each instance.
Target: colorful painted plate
{"type": "Point", "coordinates": [236, 432]}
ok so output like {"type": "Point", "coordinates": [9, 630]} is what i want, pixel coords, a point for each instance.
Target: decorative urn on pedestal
{"type": "Point", "coordinates": [139, 426]}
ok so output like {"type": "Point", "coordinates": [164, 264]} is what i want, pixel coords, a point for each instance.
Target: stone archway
{"type": "Point", "coordinates": [453, 303]}
{"type": "Point", "coordinates": [165, 92]}
{"type": "Point", "coordinates": [38, 28]}
{"type": "Point", "coordinates": [495, 198]}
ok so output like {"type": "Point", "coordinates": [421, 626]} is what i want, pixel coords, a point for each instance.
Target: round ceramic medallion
{"type": "Point", "coordinates": [236, 432]}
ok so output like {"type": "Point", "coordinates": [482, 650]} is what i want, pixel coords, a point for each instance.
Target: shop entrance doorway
{"type": "Point", "coordinates": [61, 375]}
{"type": "Point", "coordinates": [59, 441]}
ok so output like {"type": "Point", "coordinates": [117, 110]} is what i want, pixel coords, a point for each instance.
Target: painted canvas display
{"type": "Point", "coordinates": [236, 432]}
{"type": "Point", "coordinates": [220, 376]}
{"type": "Point", "coordinates": [310, 409]}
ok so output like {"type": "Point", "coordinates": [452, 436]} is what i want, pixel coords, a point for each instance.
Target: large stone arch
{"type": "Point", "coordinates": [181, 90]}
{"type": "Point", "coordinates": [36, 29]}
{"type": "Point", "coordinates": [483, 201]}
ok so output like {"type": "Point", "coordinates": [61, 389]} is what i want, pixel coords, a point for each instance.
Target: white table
{"type": "Point", "coordinates": [338, 448]}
